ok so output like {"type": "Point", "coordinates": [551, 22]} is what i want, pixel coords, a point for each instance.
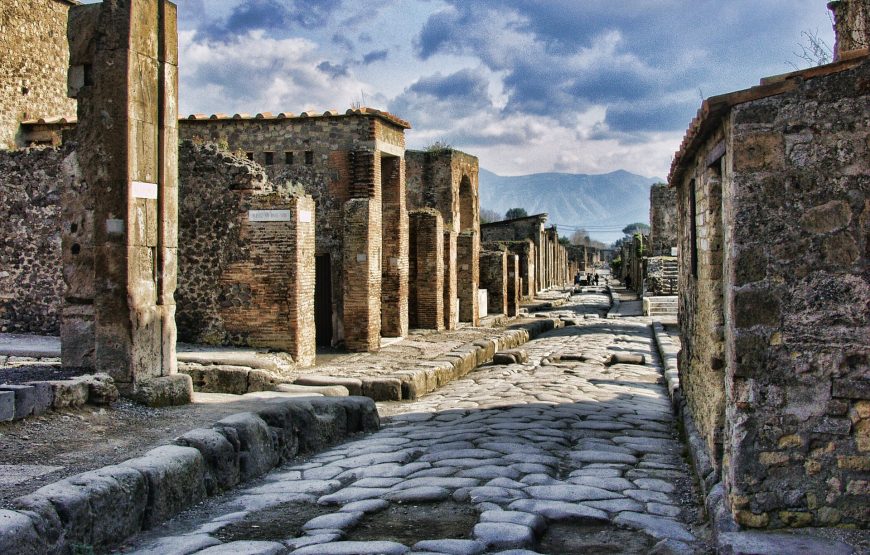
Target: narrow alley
{"type": "Point", "coordinates": [570, 452]}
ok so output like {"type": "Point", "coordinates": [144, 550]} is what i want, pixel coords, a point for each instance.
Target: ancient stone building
{"type": "Point", "coordinates": [33, 66]}
{"type": "Point", "coordinates": [119, 200]}
{"type": "Point", "coordinates": [551, 258]}
{"type": "Point", "coordinates": [447, 181]}
{"type": "Point", "coordinates": [772, 192]}
{"type": "Point", "coordinates": [352, 164]}
{"type": "Point", "coordinates": [526, 260]}
{"type": "Point", "coordinates": [246, 256]}
{"type": "Point", "coordinates": [663, 220]}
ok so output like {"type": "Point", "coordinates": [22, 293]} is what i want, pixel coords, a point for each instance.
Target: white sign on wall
{"type": "Point", "coordinates": [304, 216]}
{"type": "Point", "coordinates": [270, 215]}
{"type": "Point", "coordinates": [144, 190]}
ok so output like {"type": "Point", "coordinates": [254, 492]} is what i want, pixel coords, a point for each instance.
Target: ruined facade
{"type": "Point", "coordinates": [851, 25]}
{"type": "Point", "coordinates": [33, 80]}
{"type": "Point", "coordinates": [352, 165]}
{"type": "Point", "coordinates": [426, 276]}
{"type": "Point", "coordinates": [551, 258]}
{"type": "Point", "coordinates": [447, 181]}
{"type": "Point", "coordinates": [494, 278]}
{"type": "Point", "coordinates": [773, 185]}
{"type": "Point", "coordinates": [662, 220]}
{"type": "Point", "coordinates": [526, 260]}
{"type": "Point", "coordinates": [246, 256]}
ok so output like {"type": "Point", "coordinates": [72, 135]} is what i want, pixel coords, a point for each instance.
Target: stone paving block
{"type": "Point", "coordinates": [382, 389]}
{"type": "Point", "coordinates": [7, 406]}
{"type": "Point", "coordinates": [257, 453]}
{"type": "Point", "coordinates": [655, 526]}
{"type": "Point", "coordinates": [18, 534]}
{"type": "Point", "coordinates": [25, 399]}
{"type": "Point", "coordinates": [558, 510]}
{"type": "Point", "coordinates": [175, 477]}
{"type": "Point", "coordinates": [246, 548]}
{"type": "Point", "coordinates": [751, 543]}
{"type": "Point", "coordinates": [220, 457]}
{"type": "Point", "coordinates": [353, 385]}
{"type": "Point", "coordinates": [179, 545]}
{"type": "Point", "coordinates": [503, 535]}
{"type": "Point", "coordinates": [334, 521]}
{"type": "Point", "coordinates": [535, 522]}
{"type": "Point", "coordinates": [450, 547]}
{"type": "Point", "coordinates": [354, 548]}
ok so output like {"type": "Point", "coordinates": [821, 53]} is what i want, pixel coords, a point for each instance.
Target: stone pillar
{"type": "Point", "coordinates": [361, 282]}
{"type": "Point", "coordinates": [394, 241]}
{"type": "Point", "coordinates": [493, 278]}
{"type": "Point", "coordinates": [513, 285]}
{"type": "Point", "coordinates": [451, 305]}
{"type": "Point", "coordinates": [851, 25]}
{"type": "Point", "coordinates": [426, 272]}
{"type": "Point", "coordinates": [467, 275]}
{"type": "Point", "coordinates": [120, 237]}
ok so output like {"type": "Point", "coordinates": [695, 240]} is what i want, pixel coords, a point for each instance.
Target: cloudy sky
{"type": "Point", "coordinates": [529, 86]}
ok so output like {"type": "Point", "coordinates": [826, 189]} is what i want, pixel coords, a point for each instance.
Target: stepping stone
{"type": "Point", "coordinates": [535, 522]}
{"type": "Point", "coordinates": [602, 457]}
{"type": "Point", "coordinates": [558, 510]}
{"type": "Point", "coordinates": [420, 494]}
{"type": "Point", "coordinates": [333, 521]}
{"type": "Point", "coordinates": [571, 493]}
{"type": "Point", "coordinates": [354, 548]}
{"type": "Point", "coordinates": [246, 548]}
{"type": "Point", "coordinates": [451, 547]}
{"type": "Point", "coordinates": [655, 526]}
{"type": "Point", "coordinates": [503, 535]}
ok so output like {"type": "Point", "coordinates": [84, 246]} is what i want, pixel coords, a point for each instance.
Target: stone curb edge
{"type": "Point", "coordinates": [34, 398]}
{"type": "Point", "coordinates": [104, 506]}
{"type": "Point", "coordinates": [429, 375]}
{"type": "Point", "coordinates": [712, 489]}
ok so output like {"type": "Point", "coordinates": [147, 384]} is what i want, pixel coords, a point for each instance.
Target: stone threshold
{"type": "Point", "coordinates": [102, 507]}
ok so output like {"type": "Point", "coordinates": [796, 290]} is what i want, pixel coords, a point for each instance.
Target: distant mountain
{"type": "Point", "coordinates": [603, 204]}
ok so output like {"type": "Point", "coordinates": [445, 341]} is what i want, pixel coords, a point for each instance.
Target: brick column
{"type": "Point", "coordinates": [362, 274]}
{"type": "Point", "coordinates": [467, 275]}
{"type": "Point", "coordinates": [394, 284]}
{"type": "Point", "coordinates": [493, 278]}
{"type": "Point", "coordinates": [426, 272]}
{"type": "Point", "coordinates": [120, 239]}
{"type": "Point", "coordinates": [451, 310]}
{"type": "Point", "coordinates": [513, 284]}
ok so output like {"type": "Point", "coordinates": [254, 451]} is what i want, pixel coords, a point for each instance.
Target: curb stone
{"type": "Point", "coordinates": [102, 507]}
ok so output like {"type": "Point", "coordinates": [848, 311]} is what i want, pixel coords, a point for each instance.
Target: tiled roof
{"type": "Point", "coordinates": [386, 116]}
{"type": "Point", "coordinates": [713, 108]}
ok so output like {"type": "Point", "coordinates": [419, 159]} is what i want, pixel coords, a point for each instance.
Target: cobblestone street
{"type": "Point", "coordinates": [562, 454]}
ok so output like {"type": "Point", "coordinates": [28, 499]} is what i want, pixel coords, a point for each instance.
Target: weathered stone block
{"type": "Point", "coordinates": [7, 406]}
{"type": "Point", "coordinates": [117, 497]}
{"type": "Point", "coordinates": [175, 477]}
{"type": "Point", "coordinates": [166, 391]}
{"type": "Point", "coordinates": [257, 452]}
{"type": "Point", "coordinates": [69, 393]}
{"type": "Point", "coordinates": [220, 458]}
{"type": "Point", "coordinates": [382, 389]}
{"type": "Point", "coordinates": [18, 535]}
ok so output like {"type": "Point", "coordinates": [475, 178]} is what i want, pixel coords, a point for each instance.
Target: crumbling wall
{"type": "Point", "coordinates": [851, 25]}
{"type": "Point", "coordinates": [246, 256]}
{"type": "Point", "coordinates": [33, 65]}
{"type": "Point", "coordinates": [31, 280]}
{"type": "Point", "coordinates": [663, 220]}
{"type": "Point", "coordinates": [797, 313]}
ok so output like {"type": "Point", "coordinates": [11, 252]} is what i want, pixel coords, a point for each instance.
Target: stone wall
{"type": "Point", "coordinates": [531, 229]}
{"type": "Point", "coordinates": [797, 317]}
{"type": "Point", "coordinates": [31, 281]}
{"type": "Point", "coordinates": [336, 158]}
{"type": "Point", "coordinates": [493, 278]}
{"type": "Point", "coordinates": [426, 274]}
{"type": "Point", "coordinates": [851, 25]}
{"type": "Point", "coordinates": [33, 66]}
{"type": "Point", "coordinates": [525, 252]}
{"type": "Point", "coordinates": [243, 282]}
{"type": "Point", "coordinates": [702, 358]}
{"type": "Point", "coordinates": [775, 366]}
{"type": "Point", "coordinates": [663, 220]}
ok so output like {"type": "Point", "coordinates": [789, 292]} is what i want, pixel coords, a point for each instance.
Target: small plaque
{"type": "Point", "coordinates": [270, 215]}
{"type": "Point", "coordinates": [361, 257]}
{"type": "Point", "coordinates": [144, 190]}
{"type": "Point", "coordinates": [673, 251]}
{"type": "Point", "coordinates": [114, 226]}
{"type": "Point", "coordinates": [305, 216]}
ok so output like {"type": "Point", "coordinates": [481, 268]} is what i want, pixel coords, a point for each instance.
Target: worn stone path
{"type": "Point", "coordinates": [562, 454]}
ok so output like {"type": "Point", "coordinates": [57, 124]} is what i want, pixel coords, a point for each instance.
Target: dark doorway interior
{"type": "Point", "coordinates": [323, 299]}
